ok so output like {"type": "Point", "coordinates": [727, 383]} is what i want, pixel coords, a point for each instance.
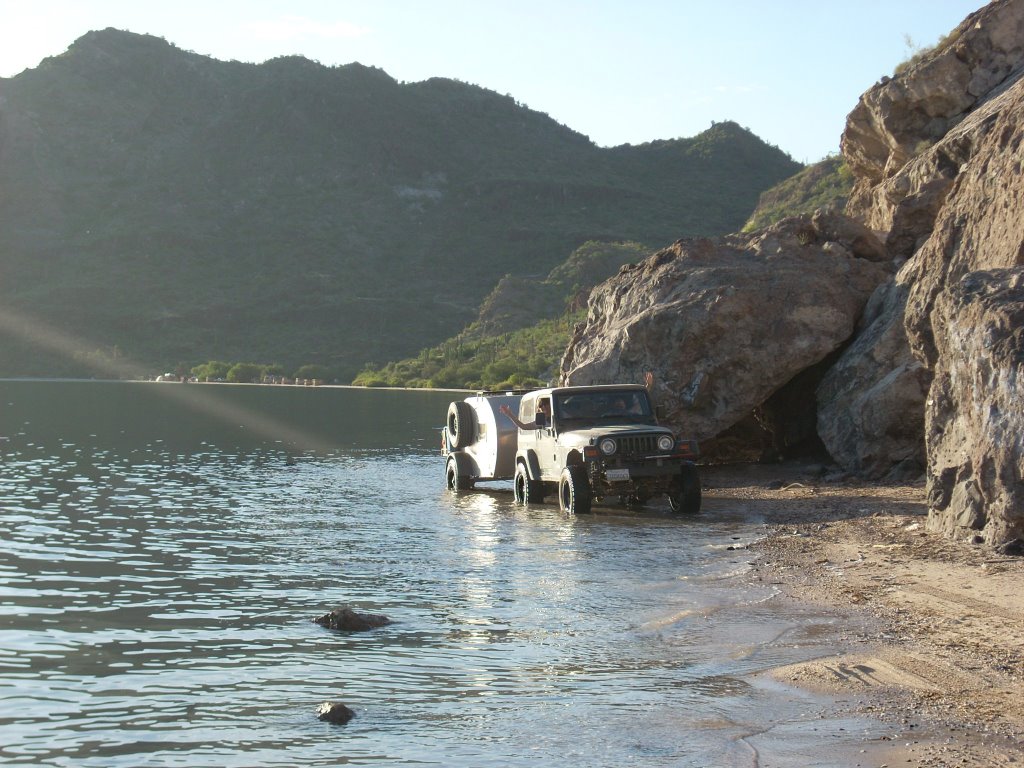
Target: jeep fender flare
{"type": "Point", "coordinates": [529, 458]}
{"type": "Point", "coordinates": [574, 457]}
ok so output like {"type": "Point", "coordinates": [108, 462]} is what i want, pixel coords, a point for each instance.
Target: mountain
{"type": "Point", "coordinates": [158, 206]}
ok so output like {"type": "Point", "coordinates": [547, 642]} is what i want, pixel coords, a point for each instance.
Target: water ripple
{"type": "Point", "coordinates": [160, 579]}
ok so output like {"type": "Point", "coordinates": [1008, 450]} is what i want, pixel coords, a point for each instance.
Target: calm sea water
{"type": "Point", "coordinates": [165, 547]}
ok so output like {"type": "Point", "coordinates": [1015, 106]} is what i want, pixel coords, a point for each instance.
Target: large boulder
{"type": "Point", "coordinates": [871, 402]}
{"type": "Point", "coordinates": [725, 323]}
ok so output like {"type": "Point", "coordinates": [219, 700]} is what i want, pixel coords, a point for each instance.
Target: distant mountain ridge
{"type": "Point", "coordinates": [162, 206]}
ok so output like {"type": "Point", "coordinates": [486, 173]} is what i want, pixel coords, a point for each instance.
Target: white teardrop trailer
{"type": "Point", "coordinates": [583, 444]}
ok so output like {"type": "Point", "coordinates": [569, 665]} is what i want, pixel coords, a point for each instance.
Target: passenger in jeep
{"type": "Point", "coordinates": [543, 412]}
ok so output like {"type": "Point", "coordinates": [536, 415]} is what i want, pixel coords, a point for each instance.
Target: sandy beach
{"type": "Point", "coordinates": [934, 644]}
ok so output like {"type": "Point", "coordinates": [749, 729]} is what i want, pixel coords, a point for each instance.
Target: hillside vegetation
{"type": "Point", "coordinates": [826, 184]}
{"type": "Point", "coordinates": [527, 357]}
{"type": "Point", "coordinates": [522, 330]}
{"type": "Point", "coordinates": [160, 209]}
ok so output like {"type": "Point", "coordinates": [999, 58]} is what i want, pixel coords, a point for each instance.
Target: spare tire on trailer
{"type": "Point", "coordinates": [461, 424]}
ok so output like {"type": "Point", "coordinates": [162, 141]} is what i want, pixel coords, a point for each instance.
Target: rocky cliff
{"type": "Point", "coordinates": [938, 156]}
{"type": "Point", "coordinates": [925, 373]}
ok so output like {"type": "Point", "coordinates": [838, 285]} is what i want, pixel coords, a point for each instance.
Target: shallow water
{"type": "Point", "coordinates": [165, 547]}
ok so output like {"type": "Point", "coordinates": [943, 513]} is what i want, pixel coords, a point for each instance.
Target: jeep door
{"type": "Point", "coordinates": [542, 439]}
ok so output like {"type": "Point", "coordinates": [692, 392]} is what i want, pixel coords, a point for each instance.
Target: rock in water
{"type": "Point", "coordinates": [346, 619]}
{"type": "Point", "coordinates": [334, 712]}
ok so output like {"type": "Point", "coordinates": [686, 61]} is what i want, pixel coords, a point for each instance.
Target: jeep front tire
{"type": "Point", "coordinates": [574, 490]}
{"type": "Point", "coordinates": [684, 496]}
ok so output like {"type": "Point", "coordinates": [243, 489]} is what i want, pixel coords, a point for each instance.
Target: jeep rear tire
{"type": "Point", "coordinates": [574, 490]}
{"type": "Point", "coordinates": [456, 472]}
{"type": "Point", "coordinates": [461, 424]}
{"type": "Point", "coordinates": [527, 491]}
{"type": "Point", "coordinates": [684, 496]}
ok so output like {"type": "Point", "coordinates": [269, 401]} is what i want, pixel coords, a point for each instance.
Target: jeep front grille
{"type": "Point", "coordinates": [637, 445]}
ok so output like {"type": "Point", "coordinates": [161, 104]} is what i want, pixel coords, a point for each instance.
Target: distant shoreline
{"type": "Point", "coordinates": [58, 380]}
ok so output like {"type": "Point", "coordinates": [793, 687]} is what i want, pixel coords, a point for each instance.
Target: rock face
{"type": "Point", "coordinates": [975, 412]}
{"type": "Point", "coordinates": [724, 324]}
{"type": "Point", "coordinates": [898, 120]}
{"type": "Point", "coordinates": [979, 227]}
{"type": "Point", "coordinates": [937, 152]}
{"type": "Point", "coordinates": [871, 402]}
{"type": "Point", "coordinates": [964, 322]}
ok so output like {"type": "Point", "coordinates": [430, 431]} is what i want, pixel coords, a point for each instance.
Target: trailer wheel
{"type": "Point", "coordinates": [527, 491]}
{"type": "Point", "coordinates": [684, 496]}
{"type": "Point", "coordinates": [456, 472]}
{"type": "Point", "coordinates": [461, 426]}
{"type": "Point", "coordinates": [574, 490]}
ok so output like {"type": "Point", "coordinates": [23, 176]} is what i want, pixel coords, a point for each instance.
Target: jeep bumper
{"type": "Point", "coordinates": [649, 476]}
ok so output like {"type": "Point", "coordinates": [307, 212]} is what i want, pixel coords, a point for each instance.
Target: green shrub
{"type": "Point", "coordinates": [214, 370]}
{"type": "Point", "coordinates": [320, 372]}
{"type": "Point", "coordinates": [245, 373]}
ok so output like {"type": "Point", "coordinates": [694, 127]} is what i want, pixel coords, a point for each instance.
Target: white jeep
{"type": "Point", "coordinates": [598, 442]}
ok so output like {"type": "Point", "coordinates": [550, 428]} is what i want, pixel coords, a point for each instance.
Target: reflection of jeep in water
{"type": "Point", "coordinates": [598, 442]}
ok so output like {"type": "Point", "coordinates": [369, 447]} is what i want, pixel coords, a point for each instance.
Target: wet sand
{"type": "Point", "coordinates": [934, 640]}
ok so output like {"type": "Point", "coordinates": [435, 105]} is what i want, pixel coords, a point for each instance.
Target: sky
{"type": "Point", "coordinates": [617, 71]}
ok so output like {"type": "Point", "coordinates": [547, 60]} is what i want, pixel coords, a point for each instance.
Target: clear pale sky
{"type": "Point", "coordinates": [618, 71]}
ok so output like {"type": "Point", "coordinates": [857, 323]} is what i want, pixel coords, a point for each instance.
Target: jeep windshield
{"type": "Point", "coordinates": [577, 410]}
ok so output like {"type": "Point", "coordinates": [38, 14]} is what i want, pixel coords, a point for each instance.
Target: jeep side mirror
{"type": "Point", "coordinates": [541, 420]}
{"type": "Point", "coordinates": [660, 412]}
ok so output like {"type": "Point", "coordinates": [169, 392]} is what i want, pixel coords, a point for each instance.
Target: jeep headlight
{"type": "Point", "coordinates": [607, 446]}
{"type": "Point", "coordinates": [666, 443]}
